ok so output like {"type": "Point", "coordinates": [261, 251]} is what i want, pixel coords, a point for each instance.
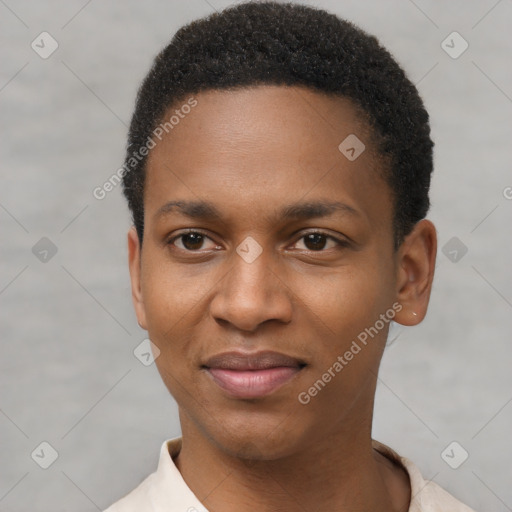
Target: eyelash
{"type": "Point", "coordinates": [341, 243]}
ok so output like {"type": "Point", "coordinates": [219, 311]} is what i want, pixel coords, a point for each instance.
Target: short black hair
{"type": "Point", "coordinates": [271, 43]}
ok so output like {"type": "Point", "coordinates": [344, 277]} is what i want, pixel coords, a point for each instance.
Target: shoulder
{"type": "Point", "coordinates": [162, 491]}
{"type": "Point", "coordinates": [154, 488]}
{"type": "Point", "coordinates": [426, 496]}
{"type": "Point", "coordinates": [137, 500]}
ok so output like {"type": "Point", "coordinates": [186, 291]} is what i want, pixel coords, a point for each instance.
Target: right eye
{"type": "Point", "coordinates": [191, 241]}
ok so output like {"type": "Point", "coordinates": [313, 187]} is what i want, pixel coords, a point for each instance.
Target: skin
{"type": "Point", "coordinates": [250, 152]}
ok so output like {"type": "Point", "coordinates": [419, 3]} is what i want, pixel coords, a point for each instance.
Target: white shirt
{"type": "Point", "coordinates": [166, 491]}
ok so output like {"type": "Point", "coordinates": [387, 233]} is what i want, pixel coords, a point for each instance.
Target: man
{"type": "Point", "coordinates": [277, 171]}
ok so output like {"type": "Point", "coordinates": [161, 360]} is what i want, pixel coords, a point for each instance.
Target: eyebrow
{"type": "Point", "coordinates": [205, 210]}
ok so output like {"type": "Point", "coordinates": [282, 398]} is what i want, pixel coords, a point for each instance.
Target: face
{"type": "Point", "coordinates": [279, 243]}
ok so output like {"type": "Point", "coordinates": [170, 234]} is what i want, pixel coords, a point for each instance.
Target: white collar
{"type": "Point", "coordinates": [165, 490]}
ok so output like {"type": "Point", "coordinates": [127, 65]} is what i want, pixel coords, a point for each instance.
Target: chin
{"type": "Point", "coordinates": [257, 436]}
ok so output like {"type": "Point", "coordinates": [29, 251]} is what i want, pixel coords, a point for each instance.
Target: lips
{"type": "Point", "coordinates": [246, 375]}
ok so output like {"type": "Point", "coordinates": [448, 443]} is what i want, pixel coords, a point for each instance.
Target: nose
{"type": "Point", "coordinates": [250, 294]}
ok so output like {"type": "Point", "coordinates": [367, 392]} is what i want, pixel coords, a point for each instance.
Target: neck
{"type": "Point", "coordinates": [335, 470]}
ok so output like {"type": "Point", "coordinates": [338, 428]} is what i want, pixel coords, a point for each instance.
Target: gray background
{"type": "Point", "coordinates": [68, 375]}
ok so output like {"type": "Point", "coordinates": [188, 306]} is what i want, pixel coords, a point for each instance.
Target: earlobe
{"type": "Point", "coordinates": [416, 263]}
{"type": "Point", "coordinates": [134, 263]}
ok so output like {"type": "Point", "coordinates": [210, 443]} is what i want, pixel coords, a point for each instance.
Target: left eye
{"type": "Point", "coordinates": [318, 241]}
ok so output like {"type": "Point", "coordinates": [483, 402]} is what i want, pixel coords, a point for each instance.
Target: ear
{"type": "Point", "coordinates": [416, 263]}
{"type": "Point", "coordinates": [134, 262]}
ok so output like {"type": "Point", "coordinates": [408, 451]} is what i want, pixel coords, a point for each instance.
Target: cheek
{"type": "Point", "coordinates": [344, 302]}
{"type": "Point", "coordinates": [340, 316]}
{"type": "Point", "coordinates": [176, 301]}
{"type": "Point", "coordinates": [345, 307]}
{"type": "Point", "coordinates": [172, 302]}
{"type": "Point", "coordinates": [169, 293]}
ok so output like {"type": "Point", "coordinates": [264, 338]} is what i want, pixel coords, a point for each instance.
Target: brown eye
{"type": "Point", "coordinates": [315, 241]}
{"type": "Point", "coordinates": [191, 241]}
{"type": "Point", "coordinates": [318, 241]}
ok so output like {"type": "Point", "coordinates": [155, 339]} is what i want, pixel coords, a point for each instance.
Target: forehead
{"type": "Point", "coordinates": [265, 146]}
{"type": "Point", "coordinates": [263, 112]}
